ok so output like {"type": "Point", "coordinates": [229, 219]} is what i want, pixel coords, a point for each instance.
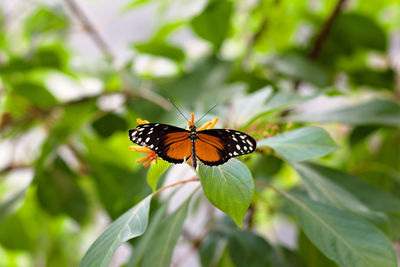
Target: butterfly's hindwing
{"type": "Point", "coordinates": [228, 144]}
{"type": "Point", "coordinates": [169, 142]}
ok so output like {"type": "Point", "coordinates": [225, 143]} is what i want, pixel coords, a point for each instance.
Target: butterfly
{"type": "Point", "coordinates": [212, 147]}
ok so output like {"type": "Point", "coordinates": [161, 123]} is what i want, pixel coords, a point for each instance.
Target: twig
{"type": "Point", "coordinates": [321, 37]}
{"type": "Point", "coordinates": [106, 49]}
{"type": "Point", "coordinates": [91, 29]}
{"type": "Point", "coordinates": [14, 167]}
{"type": "Point", "coordinates": [261, 184]}
{"type": "Point", "coordinates": [196, 179]}
{"type": "Point", "coordinates": [37, 112]}
{"type": "Point", "coordinates": [323, 34]}
{"type": "Point", "coordinates": [150, 96]}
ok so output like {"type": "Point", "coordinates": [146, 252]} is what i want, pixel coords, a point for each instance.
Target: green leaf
{"type": "Point", "coordinates": [323, 189]}
{"type": "Point", "coordinates": [381, 200]}
{"type": "Point", "coordinates": [35, 93]}
{"type": "Point", "coordinates": [22, 229]}
{"type": "Point", "coordinates": [229, 187]}
{"type": "Point", "coordinates": [245, 248]}
{"type": "Point", "coordinates": [133, 4]}
{"type": "Point", "coordinates": [345, 37]}
{"type": "Point", "coordinates": [161, 49]}
{"type": "Point", "coordinates": [373, 79]}
{"type": "Point", "coordinates": [106, 125]}
{"type": "Point", "coordinates": [343, 237]}
{"type": "Point", "coordinates": [59, 192]}
{"type": "Point", "coordinates": [225, 260]}
{"type": "Point", "coordinates": [214, 22]}
{"type": "Point", "coordinates": [311, 254]}
{"type": "Point", "coordinates": [251, 105]}
{"type": "Point", "coordinates": [285, 257]}
{"type": "Point", "coordinates": [161, 246]}
{"type": "Point", "coordinates": [165, 30]}
{"type": "Point", "coordinates": [144, 240]}
{"type": "Point", "coordinates": [119, 188]}
{"type": "Point", "coordinates": [46, 20]}
{"type": "Point", "coordinates": [211, 249]}
{"type": "Point", "coordinates": [266, 166]}
{"type": "Point", "coordinates": [379, 112]}
{"type": "Point", "coordinates": [7, 206]}
{"type": "Point", "coordinates": [155, 171]}
{"type": "Point", "coordinates": [360, 133]}
{"type": "Point", "coordinates": [299, 67]}
{"type": "Point", "coordinates": [249, 249]}
{"type": "Point", "coordinates": [301, 144]}
{"type": "Point", "coordinates": [73, 117]}
{"type": "Point", "coordinates": [279, 101]}
{"type": "Point", "coordinates": [131, 224]}
{"type": "Point", "coordinates": [53, 56]}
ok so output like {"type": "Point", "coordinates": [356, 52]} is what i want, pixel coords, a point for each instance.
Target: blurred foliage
{"type": "Point", "coordinates": [273, 67]}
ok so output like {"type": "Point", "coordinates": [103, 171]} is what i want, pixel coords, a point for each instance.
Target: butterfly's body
{"type": "Point", "coordinates": [193, 137]}
{"type": "Point", "coordinates": [175, 145]}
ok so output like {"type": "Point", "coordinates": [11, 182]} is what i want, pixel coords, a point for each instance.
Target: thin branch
{"type": "Point", "coordinates": [323, 34]}
{"type": "Point", "coordinates": [91, 29]}
{"type": "Point", "coordinates": [261, 184]}
{"type": "Point", "coordinates": [196, 179]}
{"type": "Point", "coordinates": [150, 96]}
{"type": "Point", "coordinates": [106, 49]}
{"type": "Point", "coordinates": [13, 167]}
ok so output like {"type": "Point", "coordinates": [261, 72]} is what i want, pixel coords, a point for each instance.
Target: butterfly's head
{"type": "Point", "coordinates": [192, 128]}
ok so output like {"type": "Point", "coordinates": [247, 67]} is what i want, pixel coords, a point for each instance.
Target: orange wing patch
{"type": "Point", "coordinates": [178, 145]}
{"type": "Point", "coordinates": [207, 148]}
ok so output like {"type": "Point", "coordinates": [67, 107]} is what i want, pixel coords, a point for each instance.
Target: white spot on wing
{"type": "Point", "coordinates": [147, 139]}
{"type": "Point", "coordinates": [235, 153]}
{"type": "Point", "coordinates": [238, 147]}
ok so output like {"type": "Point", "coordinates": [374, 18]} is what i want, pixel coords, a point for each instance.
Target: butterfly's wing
{"type": "Point", "coordinates": [169, 142]}
{"type": "Point", "coordinates": [215, 147]}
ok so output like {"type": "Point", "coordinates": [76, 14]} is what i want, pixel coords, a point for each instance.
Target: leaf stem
{"type": "Point", "coordinates": [195, 179]}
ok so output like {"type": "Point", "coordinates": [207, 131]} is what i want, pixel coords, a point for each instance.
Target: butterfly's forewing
{"type": "Point", "coordinates": [169, 142]}
{"type": "Point", "coordinates": [217, 146]}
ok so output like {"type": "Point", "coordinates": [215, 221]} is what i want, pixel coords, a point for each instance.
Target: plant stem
{"type": "Point", "coordinates": [261, 184]}
{"type": "Point", "coordinates": [91, 29]}
{"type": "Point", "coordinates": [195, 179]}
{"type": "Point", "coordinates": [323, 34]}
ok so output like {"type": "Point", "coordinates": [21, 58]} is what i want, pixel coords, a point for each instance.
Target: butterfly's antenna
{"type": "Point", "coordinates": [178, 109]}
{"type": "Point", "coordinates": [206, 113]}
